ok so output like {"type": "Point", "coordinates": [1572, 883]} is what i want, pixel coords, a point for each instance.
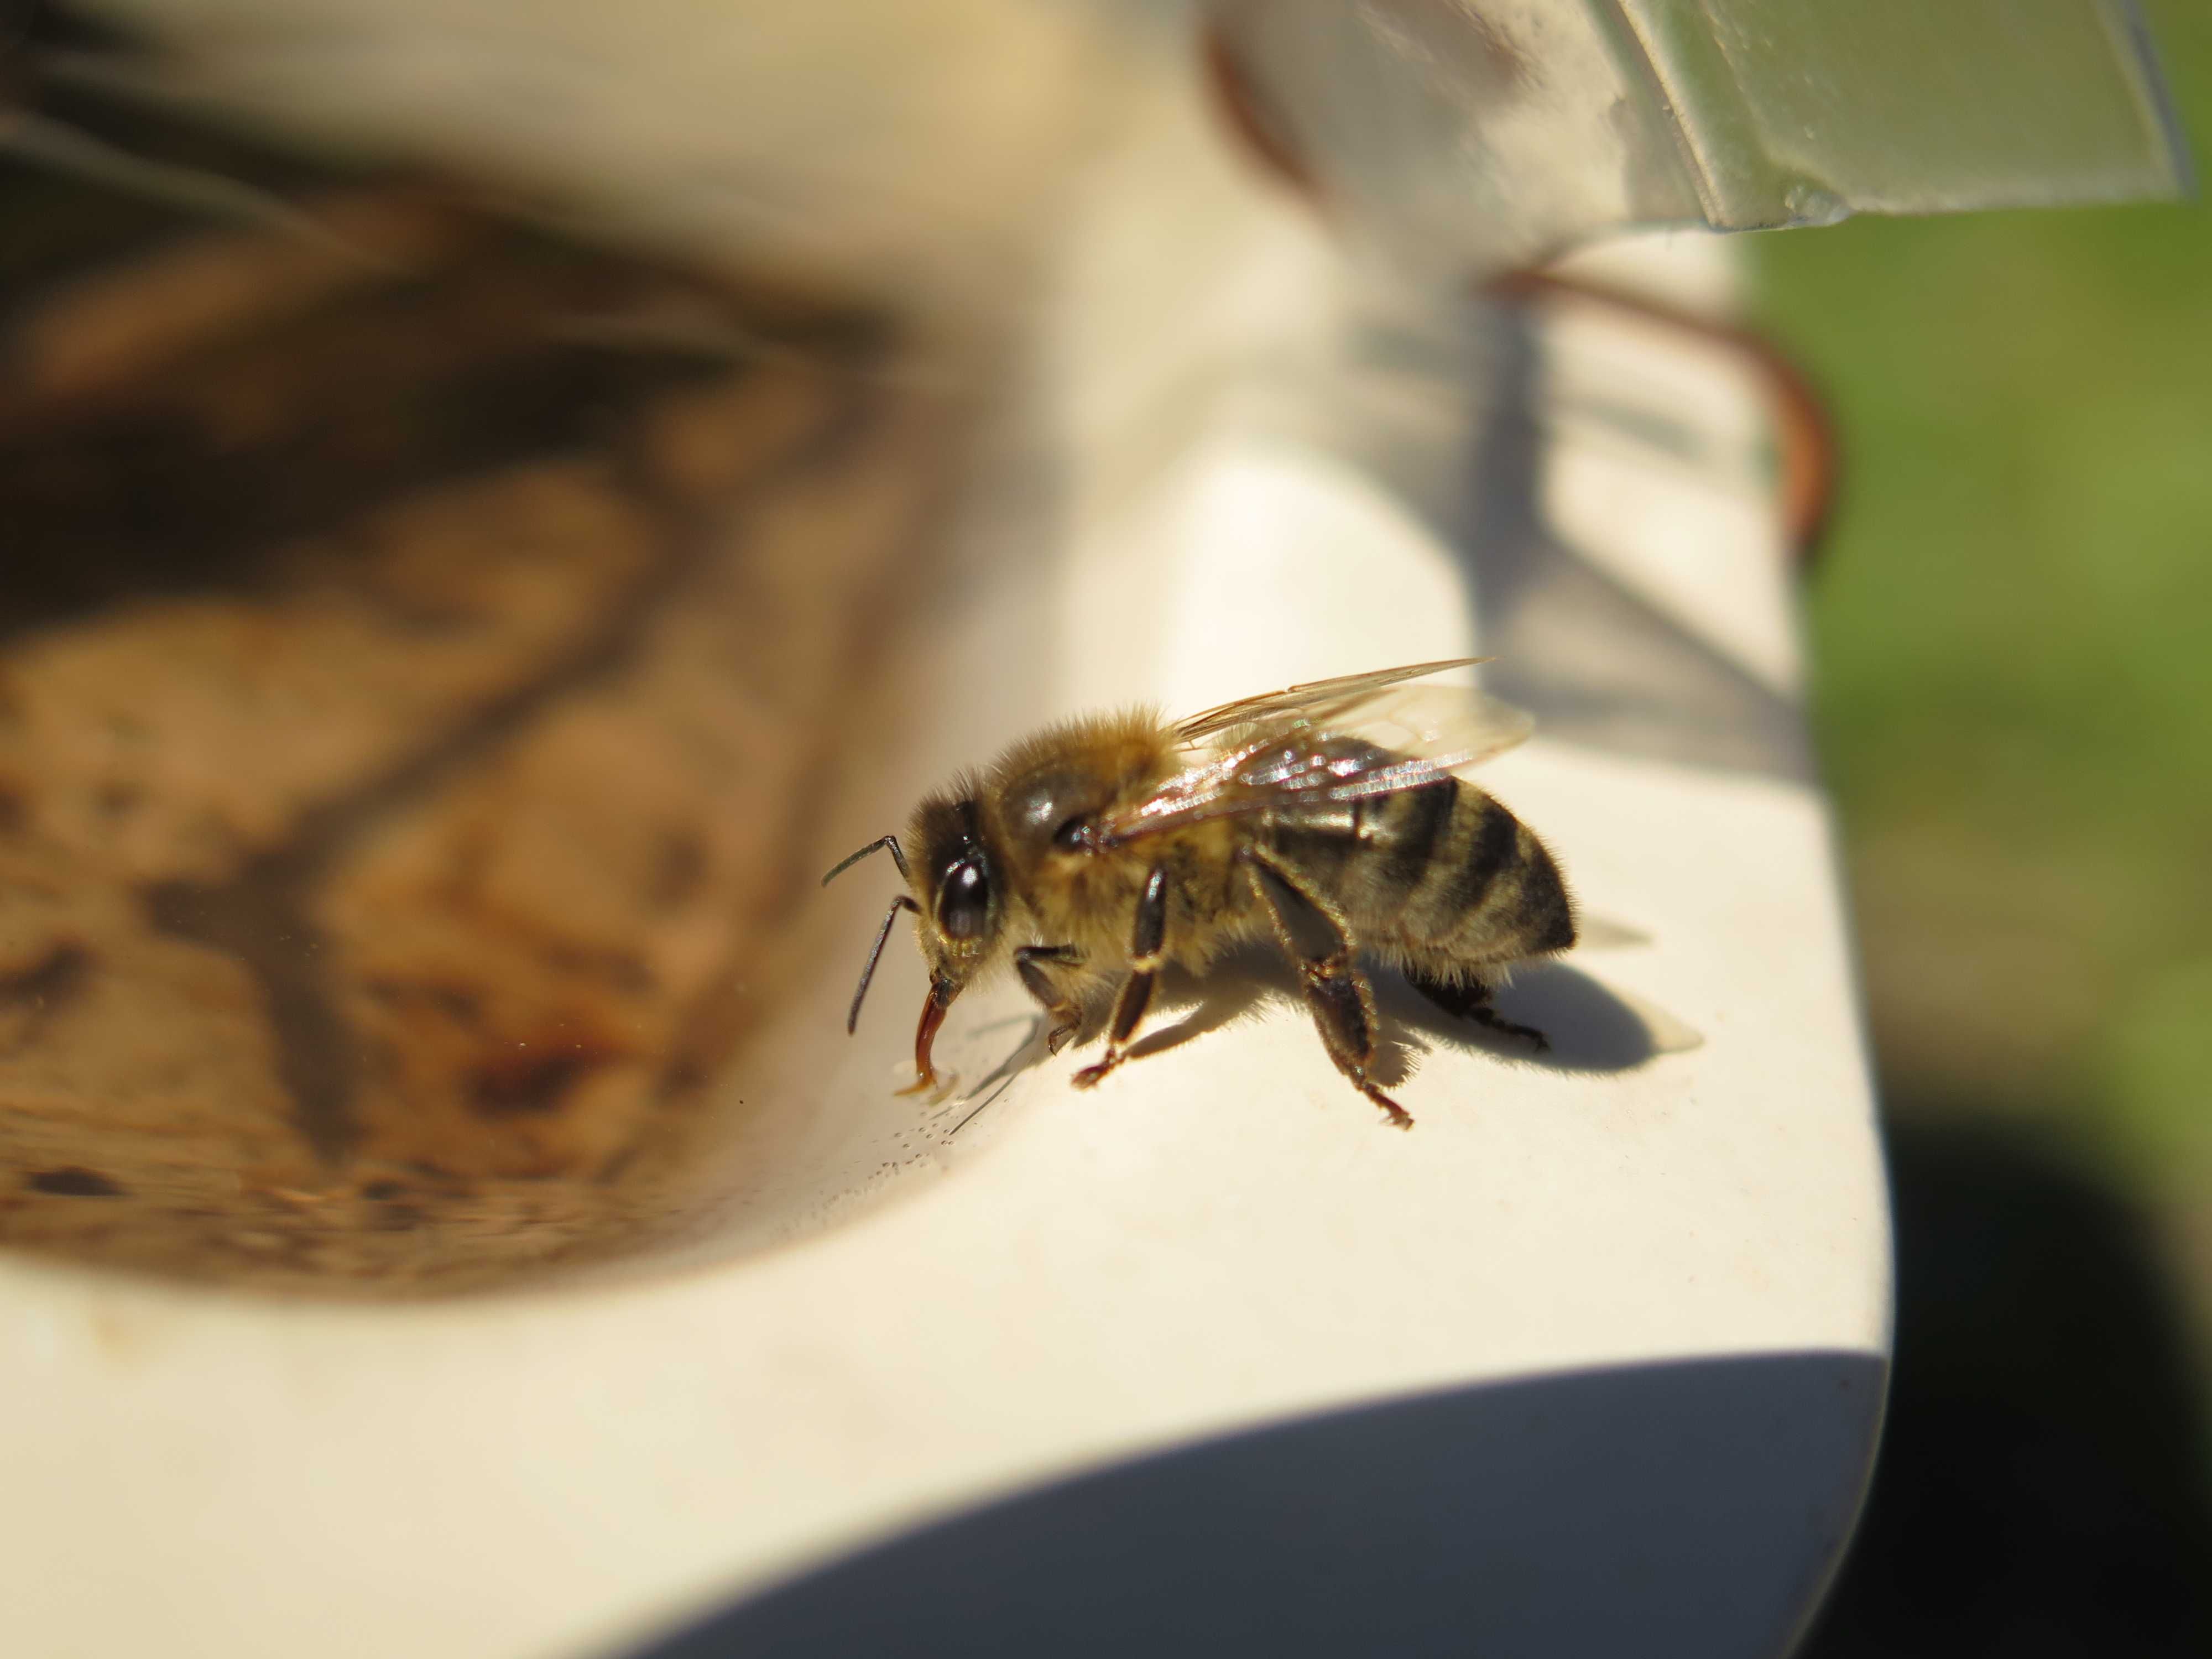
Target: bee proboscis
{"type": "Point", "coordinates": [1329, 817]}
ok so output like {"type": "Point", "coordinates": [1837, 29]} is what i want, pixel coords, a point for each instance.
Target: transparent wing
{"type": "Point", "coordinates": [1329, 701]}
{"type": "Point", "coordinates": [1337, 749]}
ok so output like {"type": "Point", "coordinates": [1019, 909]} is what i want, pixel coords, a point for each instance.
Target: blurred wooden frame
{"type": "Point", "coordinates": [423, 645]}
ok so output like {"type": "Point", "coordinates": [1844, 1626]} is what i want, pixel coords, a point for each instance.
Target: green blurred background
{"type": "Point", "coordinates": [2012, 634]}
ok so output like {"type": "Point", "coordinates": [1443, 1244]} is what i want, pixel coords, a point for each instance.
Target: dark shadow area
{"type": "Point", "coordinates": [1589, 1027]}
{"type": "Point", "coordinates": [2045, 1482]}
{"type": "Point", "coordinates": [1691, 1507]}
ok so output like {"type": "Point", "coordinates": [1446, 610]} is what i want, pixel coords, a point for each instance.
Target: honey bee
{"type": "Point", "coordinates": [1095, 855]}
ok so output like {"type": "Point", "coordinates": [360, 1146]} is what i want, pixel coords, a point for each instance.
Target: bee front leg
{"type": "Point", "coordinates": [1147, 952]}
{"type": "Point", "coordinates": [1032, 963]}
{"type": "Point", "coordinates": [1337, 994]}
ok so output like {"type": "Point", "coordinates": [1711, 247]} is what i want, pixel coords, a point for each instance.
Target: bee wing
{"type": "Point", "coordinates": [1447, 727]}
{"type": "Point", "coordinates": [1331, 702]}
{"type": "Point", "coordinates": [1311, 755]}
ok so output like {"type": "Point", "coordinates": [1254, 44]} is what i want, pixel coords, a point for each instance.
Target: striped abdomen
{"type": "Point", "coordinates": [1443, 874]}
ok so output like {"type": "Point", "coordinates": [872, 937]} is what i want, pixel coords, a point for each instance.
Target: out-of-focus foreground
{"type": "Point", "coordinates": [2013, 639]}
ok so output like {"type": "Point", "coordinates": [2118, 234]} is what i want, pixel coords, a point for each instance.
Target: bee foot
{"type": "Point", "coordinates": [1394, 1115]}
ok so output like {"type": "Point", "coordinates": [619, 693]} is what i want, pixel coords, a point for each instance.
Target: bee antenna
{"type": "Point", "coordinates": [877, 845]}
{"type": "Point", "coordinates": [868, 973]}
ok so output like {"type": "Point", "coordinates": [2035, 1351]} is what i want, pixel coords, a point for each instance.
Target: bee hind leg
{"type": "Point", "coordinates": [1337, 994]}
{"type": "Point", "coordinates": [1470, 1000]}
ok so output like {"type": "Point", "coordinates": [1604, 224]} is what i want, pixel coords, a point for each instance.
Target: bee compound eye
{"type": "Point", "coordinates": [963, 904]}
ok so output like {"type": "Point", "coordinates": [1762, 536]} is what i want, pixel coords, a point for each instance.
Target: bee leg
{"type": "Point", "coordinates": [1471, 1000]}
{"type": "Point", "coordinates": [1031, 962]}
{"type": "Point", "coordinates": [1148, 953]}
{"type": "Point", "coordinates": [1337, 994]}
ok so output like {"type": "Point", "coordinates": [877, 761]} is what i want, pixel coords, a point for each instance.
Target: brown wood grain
{"type": "Point", "coordinates": [410, 716]}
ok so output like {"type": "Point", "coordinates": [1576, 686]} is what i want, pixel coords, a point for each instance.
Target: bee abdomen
{"type": "Point", "coordinates": [1442, 870]}
{"type": "Point", "coordinates": [1492, 892]}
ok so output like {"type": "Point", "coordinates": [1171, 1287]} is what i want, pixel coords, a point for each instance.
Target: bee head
{"type": "Point", "coordinates": [955, 891]}
{"type": "Point", "coordinates": [956, 882]}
